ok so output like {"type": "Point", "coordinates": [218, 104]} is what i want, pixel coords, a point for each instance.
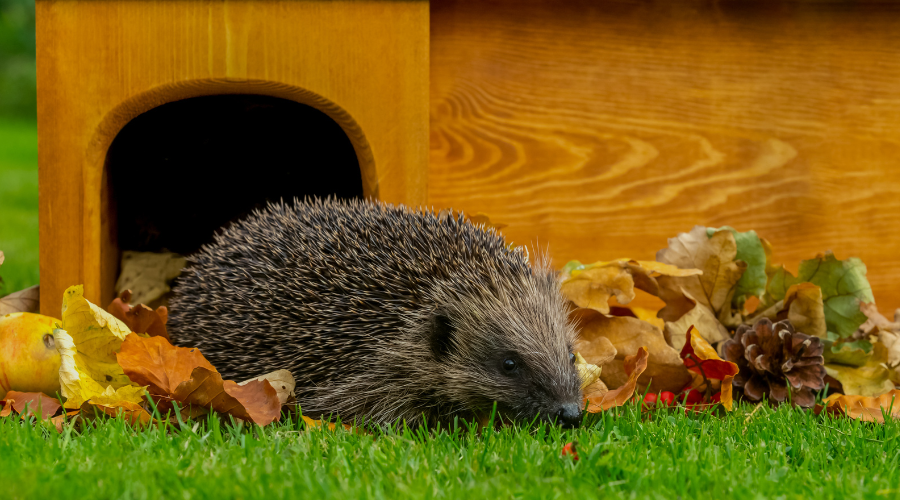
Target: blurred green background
{"type": "Point", "coordinates": [18, 147]}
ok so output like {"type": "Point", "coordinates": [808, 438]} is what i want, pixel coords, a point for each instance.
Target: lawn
{"type": "Point", "coordinates": [18, 204]}
{"type": "Point", "coordinates": [781, 453]}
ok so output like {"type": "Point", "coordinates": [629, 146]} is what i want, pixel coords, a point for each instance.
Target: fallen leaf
{"type": "Point", "coordinates": [29, 403]}
{"type": "Point", "coordinates": [750, 249]}
{"type": "Point", "coordinates": [867, 409]}
{"type": "Point", "coordinates": [665, 370]}
{"type": "Point", "coordinates": [699, 316]}
{"type": "Point", "coordinates": [87, 344]}
{"type": "Point", "coordinates": [592, 285]}
{"type": "Point", "coordinates": [60, 421]}
{"type": "Point", "coordinates": [147, 274]}
{"type": "Point", "coordinates": [595, 391]}
{"type": "Point", "coordinates": [649, 316]}
{"type": "Point", "coordinates": [587, 372]}
{"type": "Point", "coordinates": [183, 375]}
{"type": "Point", "coordinates": [844, 289]}
{"type": "Point", "coordinates": [283, 382]}
{"type": "Point", "coordinates": [140, 318]}
{"type": "Point", "coordinates": [132, 413]}
{"type": "Point", "coordinates": [805, 309]}
{"type": "Point", "coordinates": [157, 364]}
{"type": "Point", "coordinates": [634, 367]}
{"type": "Point", "coordinates": [871, 379]}
{"type": "Point", "coordinates": [27, 300]}
{"type": "Point", "coordinates": [714, 255]}
{"type": "Point", "coordinates": [318, 424]}
{"type": "Point", "coordinates": [700, 357]}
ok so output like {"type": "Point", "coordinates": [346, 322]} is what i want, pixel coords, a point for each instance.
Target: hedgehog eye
{"type": "Point", "coordinates": [509, 365]}
{"type": "Point", "coordinates": [572, 358]}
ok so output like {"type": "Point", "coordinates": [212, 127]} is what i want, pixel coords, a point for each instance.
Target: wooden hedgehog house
{"type": "Point", "coordinates": [598, 127]}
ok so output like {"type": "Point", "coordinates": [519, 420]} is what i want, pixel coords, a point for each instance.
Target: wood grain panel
{"type": "Point", "coordinates": [602, 128]}
{"type": "Point", "coordinates": [101, 63]}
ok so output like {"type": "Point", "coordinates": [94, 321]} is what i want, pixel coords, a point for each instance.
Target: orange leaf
{"type": "Point", "coordinates": [60, 420]}
{"type": "Point", "coordinates": [700, 357]}
{"type": "Point", "coordinates": [256, 401]}
{"type": "Point", "coordinates": [35, 402]}
{"type": "Point", "coordinates": [156, 363]}
{"type": "Point", "coordinates": [867, 409]}
{"type": "Point", "coordinates": [634, 367]}
{"type": "Point", "coordinates": [318, 424]}
{"type": "Point", "coordinates": [133, 413]}
{"type": "Point", "coordinates": [140, 318]}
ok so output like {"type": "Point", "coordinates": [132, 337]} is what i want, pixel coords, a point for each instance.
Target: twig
{"type": "Point", "coordinates": [751, 415]}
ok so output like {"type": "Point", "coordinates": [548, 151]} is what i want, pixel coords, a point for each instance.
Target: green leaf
{"type": "Point", "coordinates": [844, 287]}
{"type": "Point", "coordinates": [750, 250]}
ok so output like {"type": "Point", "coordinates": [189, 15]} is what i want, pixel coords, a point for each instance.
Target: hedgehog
{"type": "Point", "coordinates": [383, 314]}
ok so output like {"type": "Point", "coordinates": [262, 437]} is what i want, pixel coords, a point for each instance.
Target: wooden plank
{"type": "Point", "coordinates": [602, 128]}
{"type": "Point", "coordinates": [100, 64]}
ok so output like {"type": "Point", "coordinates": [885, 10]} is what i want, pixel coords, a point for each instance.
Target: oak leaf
{"type": "Point", "coordinates": [665, 370]}
{"type": "Point", "coordinates": [871, 379]}
{"type": "Point", "coordinates": [844, 289]}
{"type": "Point", "coordinates": [29, 403]}
{"type": "Point", "coordinates": [716, 257]}
{"type": "Point", "coordinates": [699, 316]}
{"type": "Point", "coordinates": [183, 375]}
{"type": "Point", "coordinates": [867, 409]}
{"type": "Point", "coordinates": [634, 366]}
{"type": "Point", "coordinates": [27, 300]}
{"type": "Point", "coordinates": [750, 249]}
{"type": "Point", "coordinates": [592, 285]}
{"type": "Point", "coordinates": [140, 318]}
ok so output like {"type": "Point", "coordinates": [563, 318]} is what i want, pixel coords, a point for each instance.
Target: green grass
{"type": "Point", "coordinates": [780, 453]}
{"type": "Point", "coordinates": [18, 204]}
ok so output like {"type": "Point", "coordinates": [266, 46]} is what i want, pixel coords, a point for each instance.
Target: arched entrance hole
{"type": "Point", "coordinates": [185, 169]}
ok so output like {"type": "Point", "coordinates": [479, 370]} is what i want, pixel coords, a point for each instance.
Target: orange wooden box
{"type": "Point", "coordinates": [598, 128]}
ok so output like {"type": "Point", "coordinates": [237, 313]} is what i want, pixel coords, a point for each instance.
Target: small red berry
{"type": "Point", "coordinates": [667, 398]}
{"type": "Point", "coordinates": [650, 399]}
{"type": "Point", "coordinates": [569, 450]}
{"type": "Point", "coordinates": [717, 397]}
{"type": "Point", "coordinates": [693, 397]}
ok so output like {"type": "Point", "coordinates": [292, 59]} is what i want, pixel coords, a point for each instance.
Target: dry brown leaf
{"type": "Point", "coordinates": [867, 409]}
{"type": "Point", "coordinates": [134, 414]}
{"type": "Point", "coordinates": [147, 274]}
{"type": "Point", "coordinates": [634, 367]}
{"type": "Point", "coordinates": [595, 391]}
{"type": "Point", "coordinates": [665, 370]}
{"type": "Point", "coordinates": [27, 300]}
{"type": "Point", "coordinates": [804, 308]}
{"type": "Point", "coordinates": [140, 318]}
{"type": "Point", "coordinates": [714, 288]}
{"type": "Point", "coordinates": [592, 288]}
{"type": "Point", "coordinates": [283, 382]}
{"type": "Point", "coordinates": [34, 403]}
{"type": "Point", "coordinates": [256, 401]}
{"type": "Point", "coordinates": [699, 316]}
{"type": "Point", "coordinates": [156, 363]}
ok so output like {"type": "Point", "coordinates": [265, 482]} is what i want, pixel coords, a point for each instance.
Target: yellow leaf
{"type": "Point", "coordinates": [870, 380]}
{"type": "Point", "coordinates": [805, 309]}
{"type": "Point", "coordinates": [649, 316]}
{"type": "Point", "coordinates": [592, 285]}
{"type": "Point", "coordinates": [87, 344]}
{"type": "Point", "coordinates": [587, 372]}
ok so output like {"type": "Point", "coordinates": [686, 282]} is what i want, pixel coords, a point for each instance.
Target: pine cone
{"type": "Point", "coordinates": [769, 355]}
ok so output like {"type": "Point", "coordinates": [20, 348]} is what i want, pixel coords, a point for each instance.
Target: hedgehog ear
{"type": "Point", "coordinates": [441, 332]}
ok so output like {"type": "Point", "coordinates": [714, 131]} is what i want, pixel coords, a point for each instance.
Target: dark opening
{"type": "Point", "coordinates": [179, 172]}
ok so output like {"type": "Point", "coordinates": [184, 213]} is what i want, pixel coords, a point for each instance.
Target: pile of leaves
{"type": "Point", "coordinates": [119, 361]}
{"type": "Point", "coordinates": [790, 337]}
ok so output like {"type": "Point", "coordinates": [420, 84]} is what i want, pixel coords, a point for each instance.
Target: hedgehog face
{"type": "Point", "coordinates": [515, 350]}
